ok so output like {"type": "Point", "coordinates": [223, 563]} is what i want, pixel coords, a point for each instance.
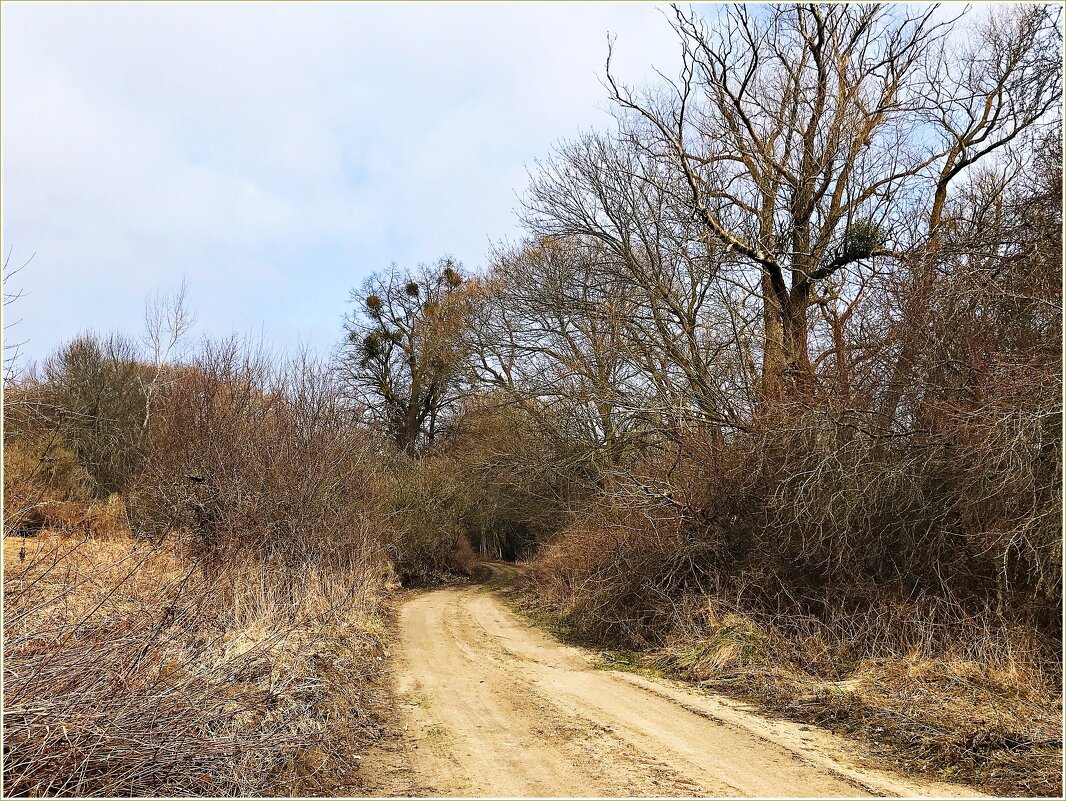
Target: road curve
{"type": "Point", "coordinates": [489, 706]}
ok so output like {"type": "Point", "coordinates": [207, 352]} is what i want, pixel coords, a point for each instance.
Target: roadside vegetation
{"type": "Point", "coordinates": [196, 561]}
{"type": "Point", "coordinates": [770, 395]}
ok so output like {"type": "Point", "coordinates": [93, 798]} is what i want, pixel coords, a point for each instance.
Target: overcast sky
{"type": "Point", "coordinates": [275, 154]}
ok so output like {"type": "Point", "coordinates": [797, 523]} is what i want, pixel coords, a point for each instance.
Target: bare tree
{"type": "Point", "coordinates": [12, 350]}
{"type": "Point", "coordinates": [167, 319]}
{"type": "Point", "coordinates": [987, 102]}
{"type": "Point", "coordinates": [686, 325]}
{"type": "Point", "coordinates": [550, 322]}
{"type": "Point", "coordinates": [795, 134]}
{"type": "Point", "coordinates": [405, 356]}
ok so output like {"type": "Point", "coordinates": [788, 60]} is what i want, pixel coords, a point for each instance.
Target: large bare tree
{"type": "Point", "coordinates": [807, 139]}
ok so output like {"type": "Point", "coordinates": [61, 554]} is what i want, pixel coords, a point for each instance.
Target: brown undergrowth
{"type": "Point", "coordinates": [133, 670]}
{"type": "Point", "coordinates": [993, 719]}
{"type": "Point", "coordinates": [987, 711]}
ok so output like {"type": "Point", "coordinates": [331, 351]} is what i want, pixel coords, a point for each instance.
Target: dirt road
{"type": "Point", "coordinates": [488, 706]}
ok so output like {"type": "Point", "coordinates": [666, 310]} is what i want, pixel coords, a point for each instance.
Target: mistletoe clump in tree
{"type": "Point", "coordinates": [405, 353]}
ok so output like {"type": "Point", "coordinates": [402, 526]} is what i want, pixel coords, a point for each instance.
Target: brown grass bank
{"type": "Point", "coordinates": [970, 700]}
{"type": "Point", "coordinates": [133, 670]}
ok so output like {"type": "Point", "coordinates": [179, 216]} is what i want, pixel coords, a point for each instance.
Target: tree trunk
{"type": "Point", "coordinates": [773, 364]}
{"type": "Point", "coordinates": [798, 369]}
{"type": "Point", "coordinates": [787, 369]}
{"type": "Point", "coordinates": [406, 435]}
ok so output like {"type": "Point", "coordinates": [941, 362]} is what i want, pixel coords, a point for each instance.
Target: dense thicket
{"type": "Point", "coordinates": [801, 317]}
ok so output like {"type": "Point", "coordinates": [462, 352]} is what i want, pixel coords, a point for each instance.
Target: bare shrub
{"type": "Point", "coordinates": [425, 539]}
{"type": "Point", "coordinates": [823, 519]}
{"type": "Point", "coordinates": [519, 475]}
{"type": "Point", "coordinates": [243, 453]}
{"type": "Point", "coordinates": [92, 391]}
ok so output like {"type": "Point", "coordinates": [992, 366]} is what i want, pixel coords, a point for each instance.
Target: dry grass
{"type": "Point", "coordinates": [984, 710]}
{"type": "Point", "coordinates": [130, 669]}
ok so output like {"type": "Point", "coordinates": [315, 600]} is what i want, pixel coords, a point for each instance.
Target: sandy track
{"type": "Point", "coordinates": [488, 706]}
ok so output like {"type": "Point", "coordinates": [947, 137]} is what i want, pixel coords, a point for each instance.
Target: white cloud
{"type": "Point", "coordinates": [277, 153]}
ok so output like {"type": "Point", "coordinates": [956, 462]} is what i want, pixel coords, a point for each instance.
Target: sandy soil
{"type": "Point", "coordinates": [488, 706]}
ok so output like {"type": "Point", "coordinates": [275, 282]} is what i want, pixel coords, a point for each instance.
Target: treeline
{"type": "Point", "coordinates": [794, 327]}
{"type": "Point", "coordinates": [791, 333]}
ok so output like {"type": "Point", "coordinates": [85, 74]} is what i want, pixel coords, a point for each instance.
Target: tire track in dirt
{"type": "Point", "coordinates": [489, 706]}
